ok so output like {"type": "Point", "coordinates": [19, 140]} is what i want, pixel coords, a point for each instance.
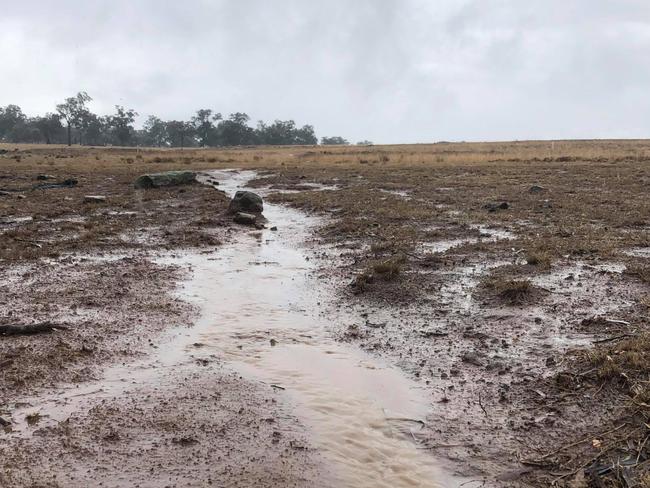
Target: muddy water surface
{"type": "Point", "coordinates": [261, 306]}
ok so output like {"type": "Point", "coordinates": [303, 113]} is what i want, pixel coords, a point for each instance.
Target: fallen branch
{"type": "Point", "coordinates": [30, 329]}
{"type": "Point", "coordinates": [610, 339]}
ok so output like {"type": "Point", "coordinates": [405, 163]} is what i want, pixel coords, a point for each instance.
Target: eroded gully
{"type": "Point", "coordinates": [263, 314]}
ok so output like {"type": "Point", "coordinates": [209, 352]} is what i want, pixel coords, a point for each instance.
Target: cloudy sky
{"type": "Point", "coordinates": [386, 70]}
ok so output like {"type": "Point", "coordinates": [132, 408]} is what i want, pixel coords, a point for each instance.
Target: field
{"type": "Point", "coordinates": [509, 281]}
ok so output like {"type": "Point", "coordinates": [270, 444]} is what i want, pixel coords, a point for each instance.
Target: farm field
{"type": "Point", "coordinates": [476, 312]}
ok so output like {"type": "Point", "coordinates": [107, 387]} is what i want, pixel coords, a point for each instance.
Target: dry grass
{"type": "Point", "coordinates": [627, 362]}
{"type": "Point", "coordinates": [511, 291]}
{"type": "Point", "coordinates": [540, 259]}
{"type": "Point", "coordinates": [639, 271]}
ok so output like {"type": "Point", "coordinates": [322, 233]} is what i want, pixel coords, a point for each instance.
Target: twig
{"type": "Point", "coordinates": [577, 443]}
{"type": "Point", "coordinates": [30, 328]}
{"type": "Point", "coordinates": [610, 339]}
{"type": "Point", "coordinates": [480, 404]}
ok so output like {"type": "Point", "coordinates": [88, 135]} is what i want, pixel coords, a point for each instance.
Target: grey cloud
{"type": "Point", "coordinates": [385, 70]}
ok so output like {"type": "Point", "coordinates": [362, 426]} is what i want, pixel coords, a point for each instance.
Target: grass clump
{"type": "Point", "coordinates": [511, 291]}
{"type": "Point", "coordinates": [627, 362]}
{"type": "Point", "coordinates": [539, 259]}
{"type": "Point", "coordinates": [385, 270]}
{"type": "Point", "coordinates": [641, 272]}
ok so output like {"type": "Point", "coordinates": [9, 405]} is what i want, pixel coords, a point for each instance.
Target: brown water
{"type": "Point", "coordinates": [261, 312]}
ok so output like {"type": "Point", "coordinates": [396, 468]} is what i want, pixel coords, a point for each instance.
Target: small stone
{"type": "Point", "coordinates": [245, 218]}
{"type": "Point", "coordinates": [274, 228]}
{"type": "Point", "coordinates": [94, 198]}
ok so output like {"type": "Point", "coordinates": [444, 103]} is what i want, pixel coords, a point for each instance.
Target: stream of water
{"type": "Point", "coordinates": [261, 312]}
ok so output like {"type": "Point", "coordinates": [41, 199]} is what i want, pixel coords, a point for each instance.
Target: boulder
{"type": "Point", "coordinates": [169, 178]}
{"type": "Point", "coordinates": [245, 218]}
{"type": "Point", "coordinates": [536, 189]}
{"type": "Point", "coordinates": [247, 202]}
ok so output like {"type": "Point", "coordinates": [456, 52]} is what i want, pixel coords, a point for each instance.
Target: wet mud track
{"type": "Point", "coordinates": [256, 393]}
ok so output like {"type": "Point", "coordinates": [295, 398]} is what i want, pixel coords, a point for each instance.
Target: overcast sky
{"type": "Point", "coordinates": [386, 70]}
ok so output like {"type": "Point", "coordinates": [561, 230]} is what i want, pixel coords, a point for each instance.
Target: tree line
{"type": "Point", "coordinates": [74, 123]}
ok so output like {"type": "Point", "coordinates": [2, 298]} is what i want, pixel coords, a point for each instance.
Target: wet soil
{"type": "Point", "coordinates": [425, 370]}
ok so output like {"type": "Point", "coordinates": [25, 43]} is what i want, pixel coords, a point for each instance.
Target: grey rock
{"type": "Point", "coordinates": [245, 218]}
{"type": "Point", "coordinates": [246, 201]}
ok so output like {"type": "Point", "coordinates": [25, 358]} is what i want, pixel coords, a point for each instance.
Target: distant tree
{"type": "Point", "coordinates": [235, 131]}
{"type": "Point", "coordinates": [334, 141]}
{"type": "Point", "coordinates": [155, 132]}
{"type": "Point", "coordinates": [306, 136]}
{"type": "Point", "coordinates": [284, 133]}
{"type": "Point", "coordinates": [72, 111]}
{"type": "Point", "coordinates": [96, 130]}
{"type": "Point", "coordinates": [180, 133]}
{"type": "Point", "coordinates": [204, 128]}
{"type": "Point", "coordinates": [121, 124]}
{"type": "Point", "coordinates": [50, 127]}
{"type": "Point", "coordinates": [11, 117]}
{"type": "Point", "coordinates": [364, 143]}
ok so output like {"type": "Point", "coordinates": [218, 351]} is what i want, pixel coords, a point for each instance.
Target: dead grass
{"type": "Point", "coordinates": [511, 291]}
{"type": "Point", "coordinates": [639, 271]}
{"type": "Point", "coordinates": [539, 259]}
{"type": "Point", "coordinates": [626, 362]}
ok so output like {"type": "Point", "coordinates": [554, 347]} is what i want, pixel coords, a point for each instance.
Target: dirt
{"type": "Point", "coordinates": [115, 303]}
{"type": "Point", "coordinates": [504, 317]}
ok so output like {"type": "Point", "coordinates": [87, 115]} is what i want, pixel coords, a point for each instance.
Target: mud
{"type": "Point", "coordinates": [289, 376]}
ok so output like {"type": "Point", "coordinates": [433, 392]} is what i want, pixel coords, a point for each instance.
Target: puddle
{"type": "Point", "coordinates": [398, 193]}
{"type": "Point", "coordinates": [261, 313]}
{"type": "Point", "coordinates": [638, 252]}
{"type": "Point", "coordinates": [486, 234]}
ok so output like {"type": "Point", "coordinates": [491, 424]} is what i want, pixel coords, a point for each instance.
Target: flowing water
{"type": "Point", "coordinates": [262, 313]}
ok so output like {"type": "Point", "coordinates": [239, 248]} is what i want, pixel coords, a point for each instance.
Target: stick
{"type": "Point", "coordinates": [30, 329]}
{"type": "Point", "coordinates": [610, 339]}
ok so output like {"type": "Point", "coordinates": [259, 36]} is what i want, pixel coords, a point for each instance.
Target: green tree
{"type": "Point", "coordinates": [235, 131]}
{"type": "Point", "coordinates": [155, 131]}
{"type": "Point", "coordinates": [11, 117]}
{"type": "Point", "coordinates": [180, 133]}
{"type": "Point", "coordinates": [121, 124]}
{"type": "Point", "coordinates": [72, 111]}
{"type": "Point", "coordinates": [204, 128]}
{"type": "Point", "coordinates": [50, 127]}
{"type": "Point", "coordinates": [334, 141]}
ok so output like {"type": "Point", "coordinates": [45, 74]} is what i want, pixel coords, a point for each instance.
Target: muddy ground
{"type": "Point", "coordinates": [526, 322]}
{"type": "Point", "coordinates": [90, 270]}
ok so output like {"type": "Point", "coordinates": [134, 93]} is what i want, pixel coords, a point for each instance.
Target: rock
{"type": "Point", "coordinates": [69, 183]}
{"type": "Point", "coordinates": [169, 178]}
{"type": "Point", "coordinates": [246, 201]}
{"type": "Point", "coordinates": [274, 228]}
{"type": "Point", "coordinates": [94, 198]}
{"type": "Point", "coordinates": [472, 357]}
{"type": "Point", "coordinates": [45, 177]}
{"type": "Point", "coordinates": [493, 207]}
{"type": "Point", "coordinates": [536, 189]}
{"type": "Point", "coordinates": [245, 218]}
{"type": "Point", "coordinates": [4, 151]}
